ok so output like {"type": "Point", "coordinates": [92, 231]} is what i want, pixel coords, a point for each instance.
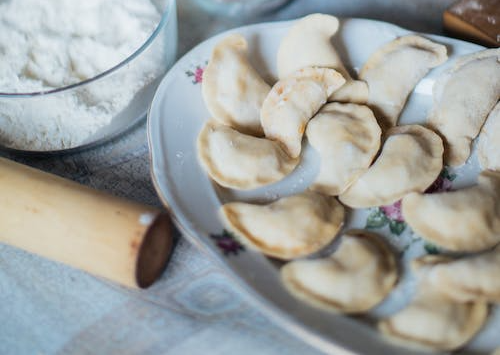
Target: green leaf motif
{"type": "Point", "coordinates": [445, 174]}
{"type": "Point", "coordinates": [376, 219]}
{"type": "Point", "coordinates": [431, 249]}
{"type": "Point", "coordinates": [397, 227]}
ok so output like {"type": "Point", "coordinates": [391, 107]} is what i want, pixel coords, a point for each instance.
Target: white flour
{"type": "Point", "coordinates": [46, 44]}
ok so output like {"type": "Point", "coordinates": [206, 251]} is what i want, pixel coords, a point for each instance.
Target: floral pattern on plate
{"type": "Point", "coordinates": [196, 73]}
{"type": "Point", "coordinates": [226, 242]}
{"type": "Point", "coordinates": [392, 216]}
{"type": "Point", "coordinates": [387, 215]}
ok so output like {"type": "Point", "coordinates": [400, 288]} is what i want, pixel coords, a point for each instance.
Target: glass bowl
{"type": "Point", "coordinates": [121, 87]}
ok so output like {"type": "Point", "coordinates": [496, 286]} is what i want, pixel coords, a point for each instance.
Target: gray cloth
{"type": "Point", "coordinates": [47, 308]}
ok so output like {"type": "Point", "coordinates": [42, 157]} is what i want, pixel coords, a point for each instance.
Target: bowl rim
{"type": "Point", "coordinates": [170, 6]}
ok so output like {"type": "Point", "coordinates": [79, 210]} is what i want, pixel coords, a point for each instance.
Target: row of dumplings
{"type": "Point", "coordinates": [255, 137]}
{"type": "Point", "coordinates": [239, 98]}
{"type": "Point", "coordinates": [451, 303]}
{"type": "Point", "coordinates": [365, 159]}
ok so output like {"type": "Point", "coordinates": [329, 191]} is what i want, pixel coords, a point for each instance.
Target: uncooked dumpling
{"type": "Point", "coordinates": [354, 279]}
{"type": "Point", "coordinates": [308, 44]}
{"type": "Point", "coordinates": [410, 161]}
{"type": "Point", "coordinates": [489, 141]}
{"type": "Point", "coordinates": [393, 71]}
{"type": "Point", "coordinates": [463, 97]}
{"type": "Point", "coordinates": [434, 321]}
{"type": "Point", "coordinates": [232, 89]}
{"type": "Point", "coordinates": [293, 101]}
{"type": "Point", "coordinates": [288, 228]}
{"type": "Point", "coordinates": [461, 220]}
{"type": "Point", "coordinates": [240, 161]}
{"type": "Point", "coordinates": [347, 137]}
{"type": "Point", "coordinates": [469, 278]}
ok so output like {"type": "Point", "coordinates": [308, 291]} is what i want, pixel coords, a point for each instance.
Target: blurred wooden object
{"type": "Point", "coordinates": [474, 20]}
{"type": "Point", "coordinates": [122, 241]}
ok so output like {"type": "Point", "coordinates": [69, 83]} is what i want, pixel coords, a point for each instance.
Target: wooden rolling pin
{"type": "Point", "coordinates": [122, 241]}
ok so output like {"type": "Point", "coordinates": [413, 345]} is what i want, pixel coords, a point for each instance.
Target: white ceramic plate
{"type": "Point", "coordinates": [177, 115]}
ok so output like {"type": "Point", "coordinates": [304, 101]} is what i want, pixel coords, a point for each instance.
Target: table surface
{"type": "Point", "coordinates": [47, 308]}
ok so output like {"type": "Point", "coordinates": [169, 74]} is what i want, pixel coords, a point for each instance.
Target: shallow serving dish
{"type": "Point", "coordinates": [177, 115]}
{"type": "Point", "coordinates": [161, 45]}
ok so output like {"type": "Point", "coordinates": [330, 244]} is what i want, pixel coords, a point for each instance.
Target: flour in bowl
{"type": "Point", "coordinates": [48, 44]}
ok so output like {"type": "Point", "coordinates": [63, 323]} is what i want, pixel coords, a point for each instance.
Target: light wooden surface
{"type": "Point", "coordinates": [195, 308]}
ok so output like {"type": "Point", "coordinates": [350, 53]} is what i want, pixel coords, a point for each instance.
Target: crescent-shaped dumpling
{"type": "Point", "coordinates": [347, 138]}
{"type": "Point", "coordinates": [461, 220]}
{"type": "Point", "coordinates": [288, 228]}
{"type": "Point", "coordinates": [469, 278]}
{"type": "Point", "coordinates": [433, 321]}
{"type": "Point", "coordinates": [308, 44]}
{"type": "Point", "coordinates": [463, 97]}
{"type": "Point", "coordinates": [240, 161]}
{"type": "Point", "coordinates": [410, 161]}
{"type": "Point", "coordinates": [354, 279]}
{"type": "Point", "coordinates": [232, 89]}
{"type": "Point", "coordinates": [393, 71]}
{"type": "Point", "coordinates": [489, 141]}
{"type": "Point", "coordinates": [293, 101]}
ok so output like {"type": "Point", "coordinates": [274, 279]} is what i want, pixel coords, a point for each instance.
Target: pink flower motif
{"type": "Point", "coordinates": [393, 211]}
{"type": "Point", "coordinates": [198, 75]}
{"type": "Point", "coordinates": [227, 243]}
{"type": "Point", "coordinates": [391, 215]}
